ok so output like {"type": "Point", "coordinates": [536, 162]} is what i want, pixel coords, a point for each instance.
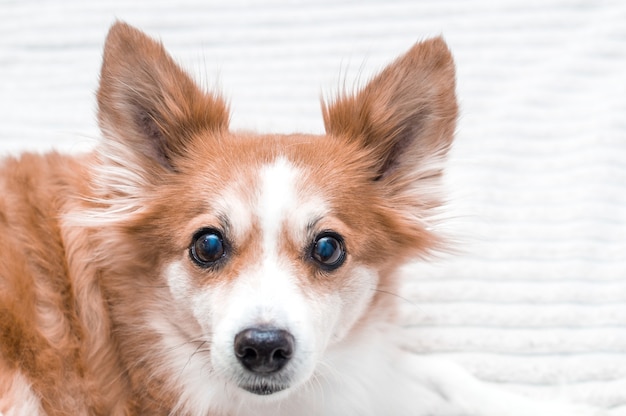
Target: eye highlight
{"type": "Point", "coordinates": [207, 247]}
{"type": "Point", "coordinates": [328, 251]}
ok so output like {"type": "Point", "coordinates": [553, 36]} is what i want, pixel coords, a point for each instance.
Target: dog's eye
{"type": "Point", "coordinates": [328, 251]}
{"type": "Point", "coordinates": [207, 247]}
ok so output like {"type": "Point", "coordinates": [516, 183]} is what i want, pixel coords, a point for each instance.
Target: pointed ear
{"type": "Point", "coordinates": [405, 117]}
{"type": "Point", "coordinates": [147, 104]}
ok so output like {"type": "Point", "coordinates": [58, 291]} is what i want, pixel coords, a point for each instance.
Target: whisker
{"type": "Point", "coordinates": [396, 295]}
{"type": "Point", "coordinates": [191, 356]}
{"type": "Point", "coordinates": [188, 342]}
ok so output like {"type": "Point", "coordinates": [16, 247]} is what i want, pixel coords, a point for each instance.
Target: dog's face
{"type": "Point", "coordinates": [238, 260]}
{"type": "Point", "coordinates": [275, 264]}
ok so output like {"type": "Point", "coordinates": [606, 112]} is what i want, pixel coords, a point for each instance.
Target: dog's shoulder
{"type": "Point", "coordinates": [41, 335]}
{"type": "Point", "coordinates": [33, 190]}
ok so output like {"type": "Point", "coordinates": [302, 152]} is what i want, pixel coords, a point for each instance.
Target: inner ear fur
{"type": "Point", "coordinates": [406, 116]}
{"type": "Point", "coordinates": [147, 103]}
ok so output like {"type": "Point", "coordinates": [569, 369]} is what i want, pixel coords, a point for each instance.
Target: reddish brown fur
{"type": "Point", "coordinates": [41, 330]}
{"type": "Point", "coordinates": [93, 355]}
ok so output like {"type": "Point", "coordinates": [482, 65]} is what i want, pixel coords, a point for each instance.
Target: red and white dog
{"type": "Point", "coordinates": [184, 269]}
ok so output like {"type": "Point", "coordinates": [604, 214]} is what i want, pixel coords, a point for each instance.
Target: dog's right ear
{"type": "Point", "coordinates": [147, 104]}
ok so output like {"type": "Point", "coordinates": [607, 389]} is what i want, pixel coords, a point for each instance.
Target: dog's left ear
{"type": "Point", "coordinates": [405, 117]}
{"type": "Point", "coordinates": [147, 104]}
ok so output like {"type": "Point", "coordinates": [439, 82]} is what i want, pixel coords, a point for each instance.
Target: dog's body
{"type": "Point", "coordinates": [185, 269]}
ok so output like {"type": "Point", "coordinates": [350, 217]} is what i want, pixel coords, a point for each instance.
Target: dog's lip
{"type": "Point", "coordinates": [264, 387]}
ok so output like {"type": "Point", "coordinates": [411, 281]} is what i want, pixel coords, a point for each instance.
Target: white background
{"type": "Point", "coordinates": [536, 299]}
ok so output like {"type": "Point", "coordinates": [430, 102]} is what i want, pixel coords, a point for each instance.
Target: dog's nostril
{"type": "Point", "coordinates": [264, 350]}
{"type": "Point", "coordinates": [248, 354]}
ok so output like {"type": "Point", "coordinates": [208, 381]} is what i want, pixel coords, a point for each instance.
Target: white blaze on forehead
{"type": "Point", "coordinates": [277, 199]}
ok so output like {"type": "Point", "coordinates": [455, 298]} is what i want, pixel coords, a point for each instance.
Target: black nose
{"type": "Point", "coordinates": [264, 350]}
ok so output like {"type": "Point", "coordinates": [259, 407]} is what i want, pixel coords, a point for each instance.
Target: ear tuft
{"type": "Point", "coordinates": [148, 103]}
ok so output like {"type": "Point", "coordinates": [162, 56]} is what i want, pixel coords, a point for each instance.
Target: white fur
{"type": "Point", "coordinates": [188, 369]}
{"type": "Point", "coordinates": [277, 199]}
{"type": "Point", "coordinates": [119, 184]}
{"type": "Point", "coordinates": [19, 400]}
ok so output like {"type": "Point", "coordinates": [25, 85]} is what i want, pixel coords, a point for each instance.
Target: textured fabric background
{"type": "Point", "coordinates": [536, 296]}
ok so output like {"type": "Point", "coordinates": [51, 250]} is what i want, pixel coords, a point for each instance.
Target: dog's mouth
{"type": "Point", "coordinates": [264, 387]}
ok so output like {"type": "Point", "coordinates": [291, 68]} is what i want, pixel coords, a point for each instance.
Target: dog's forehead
{"type": "Point", "coordinates": [277, 196]}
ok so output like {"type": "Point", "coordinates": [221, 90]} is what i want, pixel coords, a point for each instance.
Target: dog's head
{"type": "Point", "coordinates": [240, 260]}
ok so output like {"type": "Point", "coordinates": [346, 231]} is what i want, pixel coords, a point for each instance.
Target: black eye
{"type": "Point", "coordinates": [207, 247]}
{"type": "Point", "coordinates": [328, 251]}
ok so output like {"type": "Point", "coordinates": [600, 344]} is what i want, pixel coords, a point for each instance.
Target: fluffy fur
{"type": "Point", "coordinates": [106, 308]}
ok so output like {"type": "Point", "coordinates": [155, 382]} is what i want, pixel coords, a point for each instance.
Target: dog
{"type": "Point", "coordinates": [185, 269]}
